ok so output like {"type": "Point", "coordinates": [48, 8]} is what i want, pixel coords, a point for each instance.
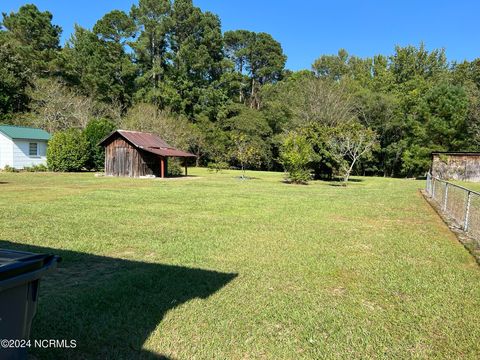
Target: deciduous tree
{"type": "Point", "coordinates": [348, 143]}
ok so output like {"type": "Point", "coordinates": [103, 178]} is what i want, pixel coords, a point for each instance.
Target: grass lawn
{"type": "Point", "coordinates": [215, 267]}
{"type": "Point", "coordinates": [475, 186]}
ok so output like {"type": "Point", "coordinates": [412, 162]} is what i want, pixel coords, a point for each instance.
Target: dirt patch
{"type": "Point", "coordinates": [338, 291]}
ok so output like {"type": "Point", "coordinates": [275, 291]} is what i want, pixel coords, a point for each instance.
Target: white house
{"type": "Point", "coordinates": [22, 147]}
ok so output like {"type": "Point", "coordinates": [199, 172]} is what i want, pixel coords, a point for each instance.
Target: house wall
{"type": "Point", "coordinates": [123, 159]}
{"type": "Point", "coordinates": [6, 151]}
{"type": "Point", "coordinates": [21, 157]}
{"type": "Point", "coordinates": [456, 167]}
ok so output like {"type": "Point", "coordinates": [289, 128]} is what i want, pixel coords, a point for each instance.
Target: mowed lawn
{"type": "Point", "coordinates": [212, 267]}
{"type": "Point", "coordinates": [475, 186]}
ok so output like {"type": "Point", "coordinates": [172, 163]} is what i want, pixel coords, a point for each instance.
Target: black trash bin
{"type": "Point", "coordinates": [20, 274]}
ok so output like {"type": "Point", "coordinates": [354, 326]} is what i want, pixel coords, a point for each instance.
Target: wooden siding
{"type": "Point", "coordinates": [21, 156]}
{"type": "Point", "coordinates": [123, 159]}
{"type": "Point", "coordinates": [15, 153]}
{"type": "Point", "coordinates": [6, 151]}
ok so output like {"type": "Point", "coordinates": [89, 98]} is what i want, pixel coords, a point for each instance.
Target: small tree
{"type": "Point", "coordinates": [348, 144]}
{"type": "Point", "coordinates": [296, 154]}
{"type": "Point", "coordinates": [95, 131]}
{"type": "Point", "coordinates": [67, 151]}
{"type": "Point", "coordinates": [246, 152]}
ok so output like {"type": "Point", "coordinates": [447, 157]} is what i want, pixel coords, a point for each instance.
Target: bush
{"type": "Point", "coordinates": [9, 169]}
{"type": "Point", "coordinates": [67, 151]}
{"type": "Point", "coordinates": [296, 154]}
{"type": "Point", "coordinates": [217, 166]}
{"type": "Point", "coordinates": [174, 168]}
{"type": "Point", "coordinates": [96, 130]}
{"type": "Point", "coordinates": [298, 176]}
{"type": "Point", "coordinates": [36, 168]}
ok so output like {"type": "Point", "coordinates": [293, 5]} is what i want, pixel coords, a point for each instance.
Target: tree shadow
{"type": "Point", "coordinates": [246, 178]}
{"type": "Point", "coordinates": [180, 177]}
{"type": "Point", "coordinates": [111, 306]}
{"type": "Point", "coordinates": [355, 180]}
{"type": "Point", "coordinates": [340, 180]}
{"type": "Point", "coordinates": [287, 182]}
{"type": "Point", "coordinates": [337, 184]}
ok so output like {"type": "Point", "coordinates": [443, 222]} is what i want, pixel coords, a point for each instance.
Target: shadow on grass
{"type": "Point", "coordinates": [246, 178]}
{"type": "Point", "coordinates": [351, 180]}
{"type": "Point", "coordinates": [341, 182]}
{"type": "Point", "coordinates": [180, 177]}
{"type": "Point", "coordinates": [287, 182]}
{"type": "Point", "coordinates": [111, 306]}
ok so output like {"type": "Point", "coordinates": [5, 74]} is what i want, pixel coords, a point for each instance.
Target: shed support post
{"type": "Point", "coordinates": [186, 167]}
{"type": "Point", "coordinates": [162, 167]}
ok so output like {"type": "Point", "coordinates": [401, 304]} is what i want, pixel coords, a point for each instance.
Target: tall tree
{"type": "Point", "coordinates": [115, 26]}
{"type": "Point", "coordinates": [100, 68]}
{"type": "Point", "coordinates": [153, 20]}
{"type": "Point", "coordinates": [257, 55]}
{"type": "Point", "coordinates": [34, 37]}
{"type": "Point", "coordinates": [411, 62]}
{"type": "Point", "coordinates": [15, 77]}
{"type": "Point", "coordinates": [197, 57]}
{"type": "Point", "coordinates": [332, 66]}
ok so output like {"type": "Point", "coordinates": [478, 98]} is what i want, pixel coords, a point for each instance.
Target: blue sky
{"type": "Point", "coordinates": [309, 28]}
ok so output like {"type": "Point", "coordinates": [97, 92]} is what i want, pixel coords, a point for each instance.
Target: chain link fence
{"type": "Point", "coordinates": [460, 204]}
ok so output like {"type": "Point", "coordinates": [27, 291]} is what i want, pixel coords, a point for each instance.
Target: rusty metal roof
{"type": "Point", "coordinates": [144, 140]}
{"type": "Point", "coordinates": [148, 142]}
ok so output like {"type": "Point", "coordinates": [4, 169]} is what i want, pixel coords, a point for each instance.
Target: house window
{"type": "Point", "coordinates": [33, 149]}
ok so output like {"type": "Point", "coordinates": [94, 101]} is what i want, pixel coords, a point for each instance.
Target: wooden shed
{"type": "Point", "coordinates": [464, 166]}
{"type": "Point", "coordinates": [136, 154]}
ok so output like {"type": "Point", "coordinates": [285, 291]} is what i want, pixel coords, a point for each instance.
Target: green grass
{"type": "Point", "coordinates": [469, 185]}
{"type": "Point", "coordinates": [215, 267]}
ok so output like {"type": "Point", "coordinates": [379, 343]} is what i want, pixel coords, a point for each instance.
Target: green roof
{"type": "Point", "coordinates": [20, 132]}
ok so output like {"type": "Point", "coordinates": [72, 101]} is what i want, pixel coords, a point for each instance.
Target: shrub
{"type": "Point", "coordinates": [217, 166]}
{"type": "Point", "coordinates": [67, 151]}
{"type": "Point", "coordinates": [174, 167]}
{"type": "Point", "coordinates": [36, 168]}
{"type": "Point", "coordinates": [296, 154]}
{"type": "Point", "coordinates": [298, 176]}
{"type": "Point", "coordinates": [96, 130]}
{"type": "Point", "coordinates": [9, 169]}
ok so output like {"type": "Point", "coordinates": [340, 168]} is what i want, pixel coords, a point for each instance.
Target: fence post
{"type": "Point", "coordinates": [445, 199]}
{"type": "Point", "coordinates": [433, 188]}
{"type": "Point", "coordinates": [467, 211]}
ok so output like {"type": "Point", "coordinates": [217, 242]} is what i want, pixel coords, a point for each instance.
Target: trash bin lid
{"type": "Point", "coordinates": [14, 263]}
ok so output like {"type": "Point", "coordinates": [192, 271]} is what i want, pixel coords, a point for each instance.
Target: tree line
{"type": "Point", "coordinates": [166, 67]}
